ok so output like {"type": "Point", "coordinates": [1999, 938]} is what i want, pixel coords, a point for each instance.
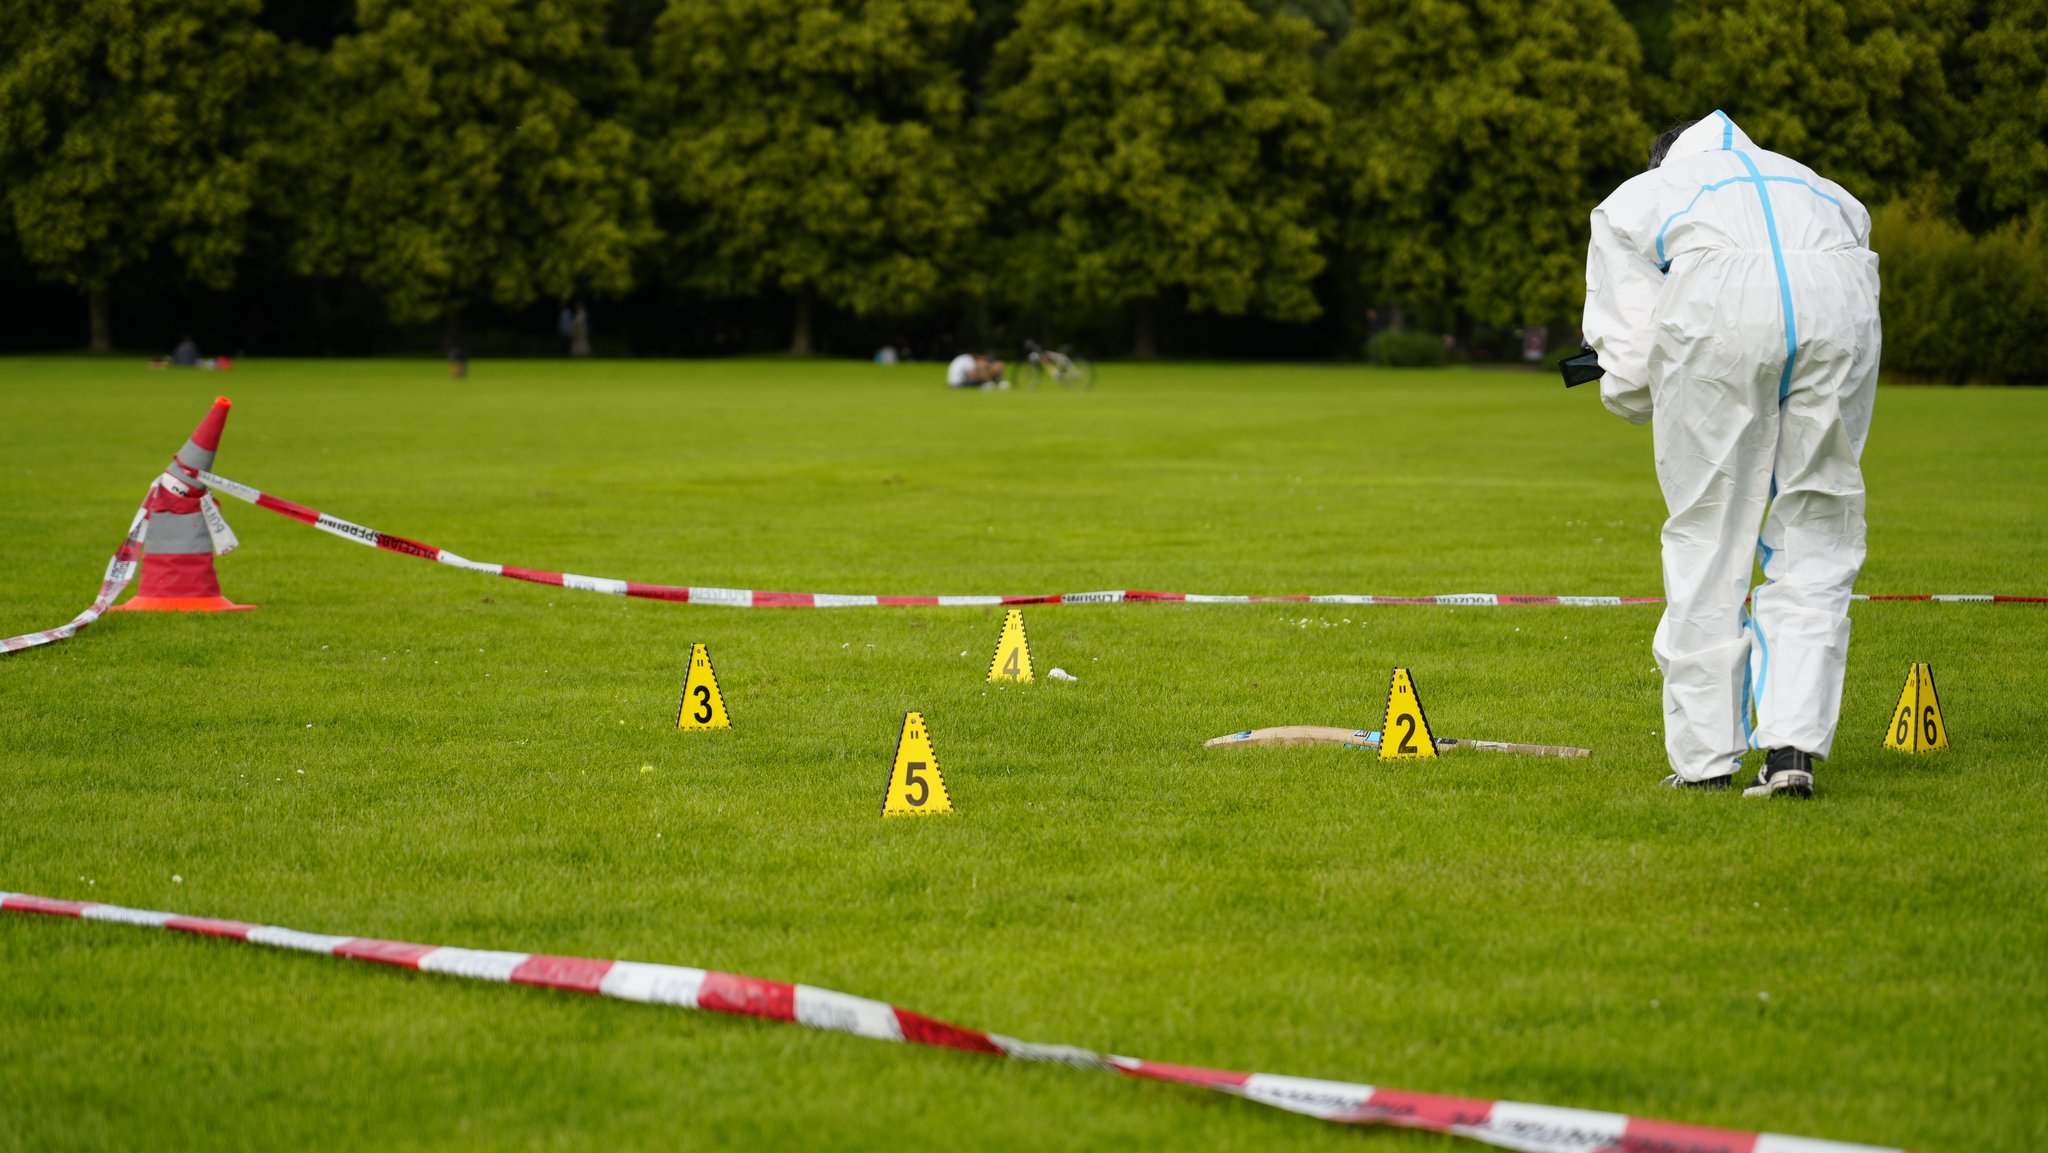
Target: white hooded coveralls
{"type": "Point", "coordinates": [1732, 297]}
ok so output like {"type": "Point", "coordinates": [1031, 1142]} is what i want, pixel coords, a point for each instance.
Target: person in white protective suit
{"type": "Point", "coordinates": [1731, 297]}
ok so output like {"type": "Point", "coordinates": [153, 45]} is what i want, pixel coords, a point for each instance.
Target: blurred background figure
{"type": "Point", "coordinates": [975, 370]}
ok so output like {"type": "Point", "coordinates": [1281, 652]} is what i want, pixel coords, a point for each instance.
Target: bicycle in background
{"type": "Point", "coordinates": [1042, 364]}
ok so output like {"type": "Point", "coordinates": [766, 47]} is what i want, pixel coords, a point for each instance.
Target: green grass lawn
{"type": "Point", "coordinates": [392, 748]}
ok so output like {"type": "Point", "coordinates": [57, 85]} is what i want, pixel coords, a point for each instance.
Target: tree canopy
{"type": "Point", "coordinates": [813, 149]}
{"type": "Point", "coordinates": [1857, 89]}
{"type": "Point", "coordinates": [124, 127]}
{"type": "Point", "coordinates": [1153, 149]}
{"type": "Point", "coordinates": [2006, 162]}
{"type": "Point", "coordinates": [1241, 177]}
{"type": "Point", "coordinates": [457, 156]}
{"type": "Point", "coordinates": [1474, 137]}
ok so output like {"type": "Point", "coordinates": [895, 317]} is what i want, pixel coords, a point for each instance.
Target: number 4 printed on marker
{"type": "Point", "coordinates": [1012, 659]}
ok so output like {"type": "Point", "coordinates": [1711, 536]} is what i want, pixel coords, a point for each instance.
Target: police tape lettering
{"type": "Point", "coordinates": [1505, 1124]}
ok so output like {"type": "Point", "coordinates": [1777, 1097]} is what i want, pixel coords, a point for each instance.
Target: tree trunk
{"type": "Point", "coordinates": [1145, 346]}
{"type": "Point", "coordinates": [102, 329]}
{"type": "Point", "coordinates": [800, 330]}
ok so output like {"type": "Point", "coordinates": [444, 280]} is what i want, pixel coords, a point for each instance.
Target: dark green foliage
{"type": "Point", "coordinates": [2006, 162]}
{"type": "Point", "coordinates": [1226, 177]}
{"type": "Point", "coordinates": [1652, 21]}
{"type": "Point", "coordinates": [311, 22]}
{"type": "Point", "coordinates": [1655, 95]}
{"type": "Point", "coordinates": [1331, 17]}
{"type": "Point", "coordinates": [1473, 138]}
{"type": "Point", "coordinates": [993, 21]}
{"type": "Point", "coordinates": [1398, 348]}
{"type": "Point", "coordinates": [630, 23]}
{"type": "Point", "coordinates": [813, 149]}
{"type": "Point", "coordinates": [1857, 89]}
{"type": "Point", "coordinates": [1904, 104]}
{"type": "Point", "coordinates": [447, 153]}
{"type": "Point", "coordinates": [125, 128]}
{"type": "Point", "coordinates": [1959, 307]}
{"type": "Point", "coordinates": [1154, 150]}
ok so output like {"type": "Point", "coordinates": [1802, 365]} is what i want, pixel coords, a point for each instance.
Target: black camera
{"type": "Point", "coordinates": [1581, 369]}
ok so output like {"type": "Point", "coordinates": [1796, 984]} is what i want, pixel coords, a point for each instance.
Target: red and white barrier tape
{"type": "Point", "coordinates": [1506, 1124]}
{"type": "Point", "coordinates": [756, 598]}
{"type": "Point", "coordinates": [120, 570]}
{"type": "Point", "coordinates": [123, 565]}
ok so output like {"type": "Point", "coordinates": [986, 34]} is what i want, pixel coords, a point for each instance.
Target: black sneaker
{"type": "Point", "coordinates": [1717, 784]}
{"type": "Point", "coordinates": [1787, 772]}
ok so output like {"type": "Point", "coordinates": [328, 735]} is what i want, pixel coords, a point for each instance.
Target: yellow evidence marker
{"type": "Point", "coordinates": [915, 786]}
{"type": "Point", "coordinates": [1405, 731]}
{"type": "Point", "coordinates": [1916, 725]}
{"type": "Point", "coordinates": [1012, 661]}
{"type": "Point", "coordinates": [702, 706]}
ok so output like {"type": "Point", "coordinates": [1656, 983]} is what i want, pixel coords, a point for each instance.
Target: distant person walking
{"type": "Point", "coordinates": [565, 327]}
{"type": "Point", "coordinates": [1731, 296]}
{"type": "Point", "coordinates": [579, 331]}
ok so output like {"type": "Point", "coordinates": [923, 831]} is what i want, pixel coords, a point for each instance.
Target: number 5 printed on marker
{"type": "Point", "coordinates": [915, 786]}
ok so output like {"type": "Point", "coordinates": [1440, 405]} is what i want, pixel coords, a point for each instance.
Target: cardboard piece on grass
{"type": "Point", "coordinates": [1012, 661]}
{"type": "Point", "coordinates": [1917, 725]}
{"type": "Point", "coordinates": [1282, 735]}
{"type": "Point", "coordinates": [702, 705]}
{"type": "Point", "coordinates": [915, 786]}
{"type": "Point", "coordinates": [1405, 731]}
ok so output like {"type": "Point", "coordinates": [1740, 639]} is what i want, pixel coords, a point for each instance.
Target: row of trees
{"type": "Point", "coordinates": [904, 158]}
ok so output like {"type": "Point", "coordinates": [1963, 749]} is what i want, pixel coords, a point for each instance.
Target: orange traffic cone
{"type": "Point", "coordinates": [177, 548]}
